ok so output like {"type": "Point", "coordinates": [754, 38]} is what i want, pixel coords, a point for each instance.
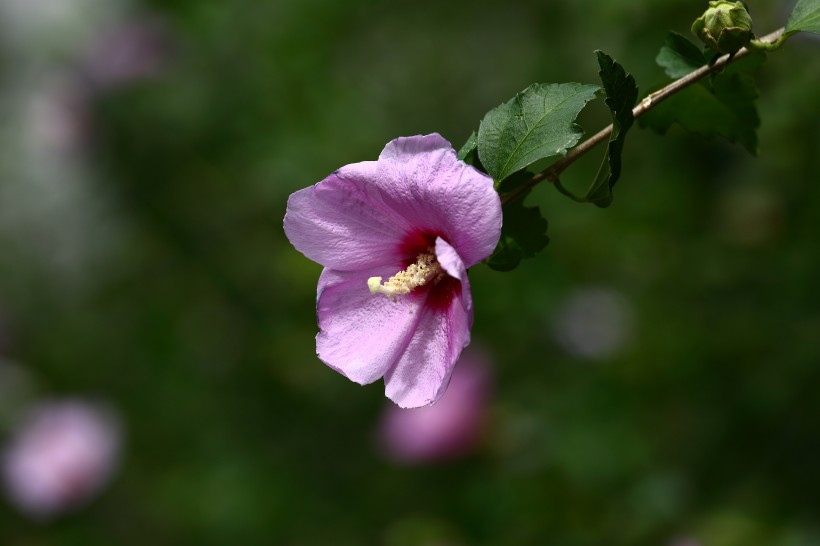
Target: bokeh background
{"type": "Point", "coordinates": [652, 375]}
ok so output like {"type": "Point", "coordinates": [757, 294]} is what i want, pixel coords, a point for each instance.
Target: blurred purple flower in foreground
{"type": "Point", "coordinates": [61, 456]}
{"type": "Point", "coordinates": [418, 217]}
{"type": "Point", "coordinates": [450, 428]}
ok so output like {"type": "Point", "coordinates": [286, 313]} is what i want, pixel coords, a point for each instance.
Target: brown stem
{"type": "Point", "coordinates": [552, 172]}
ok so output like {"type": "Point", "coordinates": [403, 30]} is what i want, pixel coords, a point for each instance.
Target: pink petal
{"type": "Point", "coordinates": [362, 215]}
{"type": "Point", "coordinates": [451, 262]}
{"type": "Point", "coordinates": [425, 183]}
{"type": "Point", "coordinates": [449, 428]}
{"type": "Point", "coordinates": [421, 375]}
{"type": "Point", "coordinates": [362, 335]}
{"type": "Point", "coordinates": [342, 223]}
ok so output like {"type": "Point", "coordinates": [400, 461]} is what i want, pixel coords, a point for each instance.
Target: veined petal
{"type": "Point", "coordinates": [450, 261]}
{"type": "Point", "coordinates": [448, 429]}
{"type": "Point", "coordinates": [342, 222]}
{"type": "Point", "coordinates": [361, 335]}
{"type": "Point", "coordinates": [424, 182]}
{"type": "Point", "coordinates": [422, 373]}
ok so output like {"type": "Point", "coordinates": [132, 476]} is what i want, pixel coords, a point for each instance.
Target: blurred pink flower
{"type": "Point", "coordinates": [129, 52]}
{"type": "Point", "coordinates": [58, 120]}
{"type": "Point", "coordinates": [593, 323]}
{"type": "Point", "coordinates": [62, 454]}
{"type": "Point", "coordinates": [418, 217]}
{"type": "Point", "coordinates": [448, 429]}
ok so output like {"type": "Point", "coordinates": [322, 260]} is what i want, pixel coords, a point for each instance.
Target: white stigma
{"type": "Point", "coordinates": [425, 269]}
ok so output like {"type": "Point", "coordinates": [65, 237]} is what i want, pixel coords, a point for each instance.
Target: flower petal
{"type": "Point", "coordinates": [342, 222]}
{"type": "Point", "coordinates": [448, 429]}
{"type": "Point", "coordinates": [422, 373]}
{"type": "Point", "coordinates": [423, 181]}
{"type": "Point", "coordinates": [362, 335]}
{"type": "Point", "coordinates": [451, 262]}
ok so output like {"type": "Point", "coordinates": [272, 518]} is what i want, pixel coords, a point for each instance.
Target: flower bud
{"type": "Point", "coordinates": [725, 26]}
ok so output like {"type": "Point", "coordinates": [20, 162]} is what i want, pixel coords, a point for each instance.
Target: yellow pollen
{"type": "Point", "coordinates": [425, 269]}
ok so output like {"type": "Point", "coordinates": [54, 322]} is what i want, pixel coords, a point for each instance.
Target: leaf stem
{"type": "Point", "coordinates": [553, 172]}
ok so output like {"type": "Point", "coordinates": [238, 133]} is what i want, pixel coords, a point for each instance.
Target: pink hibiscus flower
{"type": "Point", "coordinates": [418, 217]}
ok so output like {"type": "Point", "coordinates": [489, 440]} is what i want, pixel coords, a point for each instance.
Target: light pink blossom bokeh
{"type": "Point", "coordinates": [60, 456]}
{"type": "Point", "coordinates": [450, 428]}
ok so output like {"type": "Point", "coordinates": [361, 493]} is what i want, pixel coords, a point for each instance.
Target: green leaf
{"type": "Point", "coordinates": [523, 235]}
{"type": "Point", "coordinates": [805, 17]}
{"type": "Point", "coordinates": [469, 149]}
{"type": "Point", "coordinates": [469, 153]}
{"type": "Point", "coordinates": [726, 108]}
{"type": "Point", "coordinates": [679, 56]}
{"type": "Point", "coordinates": [512, 182]}
{"type": "Point", "coordinates": [621, 95]}
{"type": "Point", "coordinates": [537, 123]}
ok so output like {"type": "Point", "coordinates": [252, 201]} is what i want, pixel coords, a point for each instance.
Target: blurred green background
{"type": "Point", "coordinates": [143, 263]}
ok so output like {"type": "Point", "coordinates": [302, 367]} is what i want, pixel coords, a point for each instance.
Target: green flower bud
{"type": "Point", "coordinates": [725, 26]}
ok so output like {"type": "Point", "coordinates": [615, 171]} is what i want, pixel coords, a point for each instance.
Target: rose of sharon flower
{"type": "Point", "coordinates": [449, 429]}
{"type": "Point", "coordinates": [62, 455]}
{"type": "Point", "coordinates": [396, 237]}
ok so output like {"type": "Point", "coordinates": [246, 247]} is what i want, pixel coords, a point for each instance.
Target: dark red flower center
{"type": "Point", "coordinates": [438, 294]}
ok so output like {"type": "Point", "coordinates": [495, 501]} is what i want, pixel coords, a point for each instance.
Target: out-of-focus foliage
{"type": "Point", "coordinates": [523, 234]}
{"type": "Point", "coordinates": [679, 56]}
{"type": "Point", "coordinates": [143, 264]}
{"type": "Point", "coordinates": [724, 105]}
